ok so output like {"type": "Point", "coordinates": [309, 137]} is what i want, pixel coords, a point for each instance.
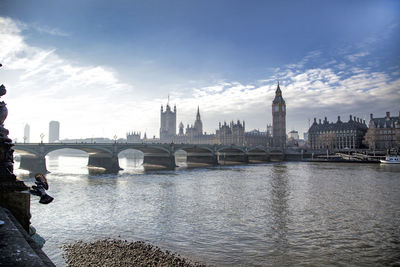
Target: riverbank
{"type": "Point", "coordinates": [112, 252]}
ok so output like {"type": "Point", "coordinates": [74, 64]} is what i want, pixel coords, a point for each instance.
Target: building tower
{"type": "Point", "coordinates": [181, 133]}
{"type": "Point", "coordinates": [278, 120]}
{"type": "Point", "coordinates": [198, 125]}
{"type": "Point", "coordinates": [54, 131]}
{"type": "Point", "coordinates": [168, 123]}
{"type": "Point", "coordinates": [27, 133]}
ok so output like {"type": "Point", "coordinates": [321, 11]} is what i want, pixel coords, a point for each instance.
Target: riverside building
{"type": "Point", "coordinates": [233, 133]}
{"type": "Point", "coordinates": [383, 133]}
{"type": "Point", "coordinates": [338, 135]}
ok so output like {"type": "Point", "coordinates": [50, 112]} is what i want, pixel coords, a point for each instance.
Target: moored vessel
{"type": "Point", "coordinates": [391, 160]}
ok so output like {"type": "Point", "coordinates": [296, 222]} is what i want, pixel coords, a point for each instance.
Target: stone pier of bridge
{"type": "Point", "coordinates": [109, 164]}
{"type": "Point", "coordinates": [34, 164]}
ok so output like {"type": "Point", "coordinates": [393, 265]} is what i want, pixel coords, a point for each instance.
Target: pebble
{"type": "Point", "coordinates": [114, 252]}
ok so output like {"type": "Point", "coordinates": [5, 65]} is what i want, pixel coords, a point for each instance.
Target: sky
{"type": "Point", "coordinates": [104, 68]}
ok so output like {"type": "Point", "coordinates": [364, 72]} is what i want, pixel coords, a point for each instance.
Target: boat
{"type": "Point", "coordinates": [391, 160]}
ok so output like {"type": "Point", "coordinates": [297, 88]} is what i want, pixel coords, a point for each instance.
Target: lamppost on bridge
{"type": "Point", "coordinates": [25, 137]}
{"type": "Point", "coordinates": [115, 138]}
{"type": "Point", "coordinates": [41, 137]}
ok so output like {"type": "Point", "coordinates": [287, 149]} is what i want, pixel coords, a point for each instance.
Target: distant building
{"type": "Point", "coordinates": [293, 139]}
{"type": "Point", "coordinates": [279, 119]}
{"type": "Point", "coordinates": [231, 134]}
{"type": "Point", "coordinates": [54, 131]}
{"type": "Point", "coordinates": [227, 134]}
{"type": "Point", "coordinates": [294, 135]}
{"type": "Point", "coordinates": [258, 138]}
{"type": "Point", "coordinates": [168, 124]}
{"type": "Point", "coordinates": [305, 136]}
{"type": "Point", "coordinates": [27, 133]}
{"type": "Point", "coordinates": [196, 129]}
{"type": "Point", "coordinates": [383, 133]}
{"type": "Point", "coordinates": [133, 137]}
{"type": "Point", "coordinates": [338, 135]}
{"type": "Point", "coordinates": [194, 133]}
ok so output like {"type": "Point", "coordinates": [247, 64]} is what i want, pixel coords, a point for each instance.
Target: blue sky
{"type": "Point", "coordinates": [104, 67]}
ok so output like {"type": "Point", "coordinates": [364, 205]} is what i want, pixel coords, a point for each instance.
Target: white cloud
{"type": "Point", "coordinates": [92, 101]}
{"type": "Point", "coordinates": [48, 30]}
{"type": "Point", "coordinates": [354, 57]}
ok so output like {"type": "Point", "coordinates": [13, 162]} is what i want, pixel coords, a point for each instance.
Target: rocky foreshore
{"type": "Point", "coordinates": [111, 252]}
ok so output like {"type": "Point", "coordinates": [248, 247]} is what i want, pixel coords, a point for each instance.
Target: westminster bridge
{"type": "Point", "coordinates": [105, 155]}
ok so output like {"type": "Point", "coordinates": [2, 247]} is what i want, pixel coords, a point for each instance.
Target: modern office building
{"type": "Point", "coordinates": [27, 133]}
{"type": "Point", "coordinates": [54, 131]}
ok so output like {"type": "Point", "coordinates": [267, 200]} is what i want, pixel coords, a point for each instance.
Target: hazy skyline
{"type": "Point", "coordinates": [102, 68]}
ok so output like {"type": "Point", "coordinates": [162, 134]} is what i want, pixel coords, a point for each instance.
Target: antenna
{"type": "Point", "coordinates": [168, 100]}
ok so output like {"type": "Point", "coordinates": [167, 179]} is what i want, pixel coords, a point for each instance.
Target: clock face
{"type": "Point", "coordinates": [276, 108]}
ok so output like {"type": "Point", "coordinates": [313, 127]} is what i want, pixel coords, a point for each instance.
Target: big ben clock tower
{"type": "Point", "coordinates": [278, 120]}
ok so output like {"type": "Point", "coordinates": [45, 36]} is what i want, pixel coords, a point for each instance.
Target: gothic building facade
{"type": "Point", "coordinates": [227, 134]}
{"type": "Point", "coordinates": [338, 135]}
{"type": "Point", "coordinates": [383, 133]}
{"type": "Point", "coordinates": [278, 120]}
{"type": "Point", "coordinates": [231, 134]}
{"type": "Point", "coordinates": [168, 123]}
{"type": "Point", "coordinates": [194, 133]}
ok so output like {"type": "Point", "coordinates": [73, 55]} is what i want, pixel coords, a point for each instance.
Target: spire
{"type": "Point", "coordinates": [278, 96]}
{"type": "Point", "coordinates": [278, 91]}
{"type": "Point", "coordinates": [198, 113]}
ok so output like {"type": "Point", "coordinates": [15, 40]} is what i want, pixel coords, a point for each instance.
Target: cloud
{"type": "Point", "coordinates": [91, 100]}
{"type": "Point", "coordinates": [48, 30]}
{"type": "Point", "coordinates": [43, 86]}
{"type": "Point", "coordinates": [353, 58]}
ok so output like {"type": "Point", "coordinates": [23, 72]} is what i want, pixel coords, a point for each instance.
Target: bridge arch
{"type": "Point", "coordinates": [88, 149]}
{"type": "Point", "coordinates": [231, 149]}
{"type": "Point", "coordinates": [231, 155]}
{"type": "Point", "coordinates": [66, 160]}
{"type": "Point", "coordinates": [258, 149]}
{"type": "Point", "coordinates": [258, 154]}
{"type": "Point", "coordinates": [130, 159]}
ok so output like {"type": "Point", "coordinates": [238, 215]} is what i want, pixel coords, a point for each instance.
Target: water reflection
{"type": "Point", "coordinates": [270, 215]}
{"type": "Point", "coordinates": [280, 193]}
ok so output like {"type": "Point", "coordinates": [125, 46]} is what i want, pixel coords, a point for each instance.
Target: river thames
{"type": "Point", "coordinates": [274, 214]}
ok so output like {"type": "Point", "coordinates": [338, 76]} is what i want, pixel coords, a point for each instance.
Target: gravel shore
{"type": "Point", "coordinates": [111, 252]}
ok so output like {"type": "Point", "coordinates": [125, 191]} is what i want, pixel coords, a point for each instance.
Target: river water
{"type": "Point", "coordinates": [274, 214]}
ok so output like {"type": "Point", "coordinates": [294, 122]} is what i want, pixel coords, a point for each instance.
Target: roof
{"type": "Point", "coordinates": [337, 126]}
{"type": "Point", "coordinates": [386, 122]}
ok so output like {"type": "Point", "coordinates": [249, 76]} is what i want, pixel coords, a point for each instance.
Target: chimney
{"type": "Point", "coordinates": [325, 120]}
{"type": "Point", "coordinates": [315, 119]}
{"type": "Point", "coordinates": [338, 119]}
{"type": "Point", "coordinates": [388, 115]}
{"type": "Point", "coordinates": [319, 121]}
{"type": "Point", "coordinates": [351, 118]}
{"type": "Point", "coordinates": [371, 116]}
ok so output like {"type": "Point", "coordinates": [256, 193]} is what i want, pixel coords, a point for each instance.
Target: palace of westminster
{"type": "Point", "coordinates": [381, 133]}
{"type": "Point", "coordinates": [226, 134]}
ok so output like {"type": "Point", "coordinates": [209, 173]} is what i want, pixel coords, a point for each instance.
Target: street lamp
{"type": "Point", "coordinates": [115, 138]}
{"type": "Point", "coordinates": [41, 137]}
{"type": "Point", "coordinates": [25, 139]}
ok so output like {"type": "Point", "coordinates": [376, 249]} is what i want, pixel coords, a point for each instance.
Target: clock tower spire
{"type": "Point", "coordinates": [278, 119]}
